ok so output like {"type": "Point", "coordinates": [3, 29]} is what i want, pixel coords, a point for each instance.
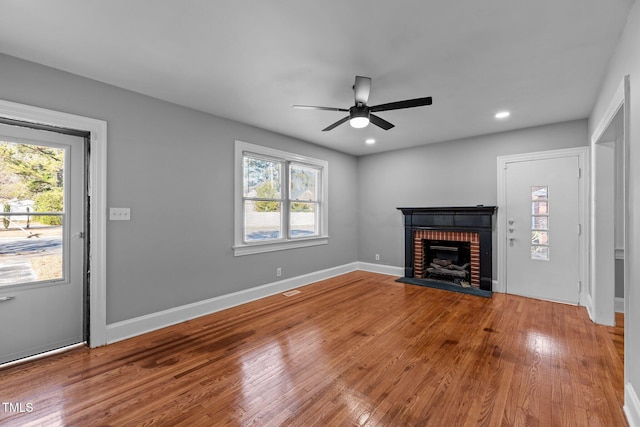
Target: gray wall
{"type": "Point", "coordinates": [453, 173]}
{"type": "Point", "coordinates": [626, 61]}
{"type": "Point", "coordinates": [173, 167]}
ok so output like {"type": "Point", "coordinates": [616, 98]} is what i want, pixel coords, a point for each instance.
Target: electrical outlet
{"type": "Point", "coordinates": [120, 214]}
{"type": "Point", "coordinates": [278, 271]}
{"type": "Point", "coordinates": [377, 257]}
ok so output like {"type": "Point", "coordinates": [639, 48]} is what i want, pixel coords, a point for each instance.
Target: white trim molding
{"type": "Point", "coordinates": [98, 193]}
{"type": "Point", "coordinates": [389, 270]}
{"type": "Point", "coordinates": [631, 406]}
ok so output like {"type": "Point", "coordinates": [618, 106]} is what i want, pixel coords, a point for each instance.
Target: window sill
{"type": "Point", "coordinates": [257, 248]}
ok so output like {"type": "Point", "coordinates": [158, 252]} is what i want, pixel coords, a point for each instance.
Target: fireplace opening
{"type": "Point", "coordinates": [448, 261]}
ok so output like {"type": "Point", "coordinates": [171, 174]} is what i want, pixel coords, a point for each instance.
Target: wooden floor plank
{"type": "Point", "coordinates": [357, 349]}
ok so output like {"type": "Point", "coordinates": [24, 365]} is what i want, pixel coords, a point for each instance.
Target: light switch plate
{"type": "Point", "coordinates": [119, 214]}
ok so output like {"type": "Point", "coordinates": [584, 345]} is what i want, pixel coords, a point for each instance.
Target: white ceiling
{"type": "Point", "coordinates": [251, 60]}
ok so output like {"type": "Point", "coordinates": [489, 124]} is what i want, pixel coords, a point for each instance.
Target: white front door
{"type": "Point", "coordinates": [42, 198]}
{"type": "Point", "coordinates": [542, 228]}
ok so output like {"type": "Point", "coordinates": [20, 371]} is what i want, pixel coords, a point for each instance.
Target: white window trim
{"type": "Point", "coordinates": [240, 247]}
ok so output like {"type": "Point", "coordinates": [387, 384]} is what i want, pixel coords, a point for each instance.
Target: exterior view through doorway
{"type": "Point", "coordinates": [43, 237]}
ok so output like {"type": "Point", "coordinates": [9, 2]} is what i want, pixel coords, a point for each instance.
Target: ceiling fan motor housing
{"type": "Point", "coordinates": [356, 111]}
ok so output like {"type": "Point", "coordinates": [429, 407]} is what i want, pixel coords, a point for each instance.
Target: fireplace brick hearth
{"type": "Point", "coordinates": [450, 224]}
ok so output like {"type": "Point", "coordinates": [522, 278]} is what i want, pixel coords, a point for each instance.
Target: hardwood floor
{"type": "Point", "coordinates": [358, 349]}
{"type": "Point", "coordinates": [617, 335]}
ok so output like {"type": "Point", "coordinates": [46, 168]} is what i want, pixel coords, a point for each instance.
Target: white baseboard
{"type": "Point", "coordinates": [380, 268]}
{"type": "Point", "coordinates": [618, 305]}
{"type": "Point", "coordinates": [151, 322]}
{"type": "Point", "coordinates": [588, 304]}
{"type": "Point", "coordinates": [631, 406]}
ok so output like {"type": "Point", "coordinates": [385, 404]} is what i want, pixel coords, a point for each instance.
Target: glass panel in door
{"type": "Point", "coordinates": [32, 212]}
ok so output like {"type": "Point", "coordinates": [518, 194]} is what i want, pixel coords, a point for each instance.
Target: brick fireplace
{"type": "Point", "coordinates": [422, 239]}
{"type": "Point", "coordinates": [451, 245]}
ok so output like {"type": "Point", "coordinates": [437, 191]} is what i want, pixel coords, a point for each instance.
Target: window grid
{"type": "Point", "coordinates": [272, 210]}
{"type": "Point", "coordinates": [540, 223]}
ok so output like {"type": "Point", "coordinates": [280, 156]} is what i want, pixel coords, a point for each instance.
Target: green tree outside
{"type": "Point", "coordinates": [34, 172]}
{"type": "Point", "coordinates": [267, 190]}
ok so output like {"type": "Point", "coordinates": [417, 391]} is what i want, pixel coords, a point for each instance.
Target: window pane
{"type": "Point", "coordinates": [539, 238]}
{"type": "Point", "coordinates": [303, 219]}
{"type": "Point", "coordinates": [540, 253]}
{"type": "Point", "coordinates": [539, 193]}
{"type": "Point", "coordinates": [262, 221]}
{"type": "Point", "coordinates": [539, 208]}
{"type": "Point", "coordinates": [539, 222]}
{"type": "Point", "coordinates": [31, 182]}
{"type": "Point", "coordinates": [303, 182]}
{"type": "Point", "coordinates": [30, 254]}
{"type": "Point", "coordinates": [261, 178]}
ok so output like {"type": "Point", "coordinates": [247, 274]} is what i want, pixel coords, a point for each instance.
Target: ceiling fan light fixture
{"type": "Point", "coordinates": [358, 117]}
{"type": "Point", "coordinates": [359, 122]}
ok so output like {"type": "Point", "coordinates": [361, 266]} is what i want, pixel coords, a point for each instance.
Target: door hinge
{"type": "Point", "coordinates": [579, 229]}
{"type": "Point", "coordinates": [579, 173]}
{"type": "Point", "coordinates": [579, 287]}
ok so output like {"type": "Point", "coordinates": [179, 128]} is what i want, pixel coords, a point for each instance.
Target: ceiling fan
{"type": "Point", "coordinates": [360, 114]}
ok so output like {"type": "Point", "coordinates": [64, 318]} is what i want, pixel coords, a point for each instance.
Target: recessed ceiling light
{"type": "Point", "coordinates": [370, 141]}
{"type": "Point", "coordinates": [502, 115]}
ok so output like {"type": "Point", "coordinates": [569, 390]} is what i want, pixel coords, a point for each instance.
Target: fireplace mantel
{"type": "Point", "coordinates": [476, 219]}
{"type": "Point", "coordinates": [459, 218]}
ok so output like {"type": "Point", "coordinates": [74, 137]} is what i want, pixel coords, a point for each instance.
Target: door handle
{"type": "Point", "coordinates": [3, 299]}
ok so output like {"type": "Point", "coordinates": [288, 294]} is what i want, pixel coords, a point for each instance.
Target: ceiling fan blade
{"type": "Point", "coordinates": [361, 89]}
{"type": "Point", "coordinates": [380, 122]}
{"type": "Point", "coordinates": [409, 103]}
{"type": "Point", "coordinates": [313, 107]}
{"type": "Point", "coordinates": [336, 124]}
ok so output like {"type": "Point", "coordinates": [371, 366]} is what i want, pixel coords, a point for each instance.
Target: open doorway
{"type": "Point", "coordinates": [609, 195]}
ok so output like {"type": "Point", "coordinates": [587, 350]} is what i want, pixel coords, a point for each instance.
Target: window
{"type": "Point", "coordinates": [280, 200]}
{"type": "Point", "coordinates": [540, 223]}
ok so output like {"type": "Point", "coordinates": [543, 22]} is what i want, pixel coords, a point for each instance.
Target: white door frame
{"type": "Point", "coordinates": [97, 190]}
{"type": "Point", "coordinates": [602, 304]}
{"type": "Point", "coordinates": [501, 223]}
